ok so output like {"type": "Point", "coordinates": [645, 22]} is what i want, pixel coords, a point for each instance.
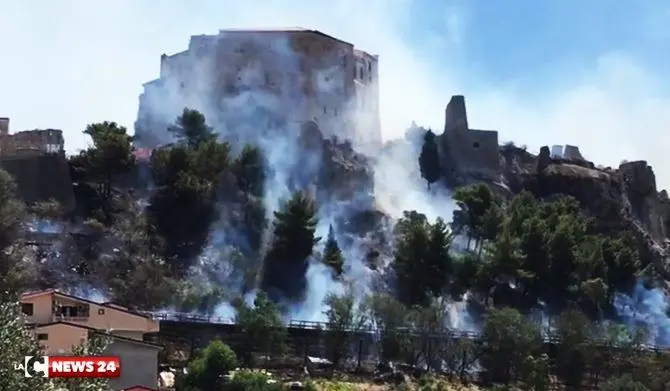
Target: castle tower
{"type": "Point", "coordinates": [4, 126]}
{"type": "Point", "coordinates": [456, 117]}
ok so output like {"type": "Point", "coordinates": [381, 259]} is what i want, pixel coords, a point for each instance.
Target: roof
{"type": "Point", "coordinates": [282, 30]}
{"type": "Point", "coordinates": [29, 295]}
{"type": "Point", "coordinates": [143, 153]}
{"type": "Point", "coordinates": [91, 329]}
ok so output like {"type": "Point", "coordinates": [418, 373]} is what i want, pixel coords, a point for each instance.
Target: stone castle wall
{"type": "Point", "coordinates": [42, 140]}
{"type": "Point", "coordinates": [41, 177]}
{"type": "Point", "coordinates": [468, 152]}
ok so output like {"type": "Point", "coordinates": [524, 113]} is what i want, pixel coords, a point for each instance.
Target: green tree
{"type": "Point", "coordinates": [263, 329]}
{"type": "Point", "coordinates": [207, 372]}
{"type": "Point", "coordinates": [191, 128]}
{"type": "Point", "coordinates": [345, 318]}
{"type": "Point", "coordinates": [387, 317]}
{"type": "Point", "coordinates": [17, 341]}
{"type": "Point", "coordinates": [575, 334]}
{"type": "Point", "coordinates": [16, 272]}
{"type": "Point", "coordinates": [421, 260]}
{"type": "Point", "coordinates": [294, 238]}
{"type": "Point", "coordinates": [332, 255]}
{"type": "Point", "coordinates": [508, 340]}
{"type": "Point", "coordinates": [109, 156]}
{"type": "Point", "coordinates": [471, 218]}
{"type": "Point", "coordinates": [135, 276]}
{"type": "Point", "coordinates": [187, 177]}
{"type": "Point", "coordinates": [249, 171]}
{"type": "Point", "coordinates": [429, 159]}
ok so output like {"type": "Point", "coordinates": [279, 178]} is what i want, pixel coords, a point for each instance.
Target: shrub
{"type": "Point", "coordinates": [253, 381]}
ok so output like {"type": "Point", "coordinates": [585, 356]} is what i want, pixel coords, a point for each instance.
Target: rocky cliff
{"type": "Point", "coordinates": [618, 199]}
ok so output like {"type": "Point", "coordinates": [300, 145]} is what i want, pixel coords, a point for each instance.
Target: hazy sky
{"type": "Point", "coordinates": [593, 73]}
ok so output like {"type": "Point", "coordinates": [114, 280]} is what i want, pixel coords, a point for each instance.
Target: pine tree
{"type": "Point", "coordinates": [294, 239]}
{"type": "Point", "coordinates": [191, 128]}
{"type": "Point", "coordinates": [332, 255]}
{"type": "Point", "coordinates": [429, 159]}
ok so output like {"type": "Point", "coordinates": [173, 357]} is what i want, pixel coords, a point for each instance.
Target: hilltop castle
{"type": "Point", "coordinates": [270, 77]}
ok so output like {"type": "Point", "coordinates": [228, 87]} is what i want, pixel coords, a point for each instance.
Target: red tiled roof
{"type": "Point", "coordinates": [143, 153]}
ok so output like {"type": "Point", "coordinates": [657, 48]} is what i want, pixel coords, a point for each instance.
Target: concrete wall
{"type": "Point", "coordinates": [139, 364]}
{"type": "Point", "coordinates": [40, 177]}
{"type": "Point", "coordinates": [60, 338]}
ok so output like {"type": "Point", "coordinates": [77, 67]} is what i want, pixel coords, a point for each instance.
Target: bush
{"type": "Point", "coordinates": [253, 381]}
{"type": "Point", "coordinates": [624, 383]}
{"type": "Point", "coordinates": [208, 371]}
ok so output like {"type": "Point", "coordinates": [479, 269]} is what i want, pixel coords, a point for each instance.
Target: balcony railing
{"type": "Point", "coordinates": [64, 318]}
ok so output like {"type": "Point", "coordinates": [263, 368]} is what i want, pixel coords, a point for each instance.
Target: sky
{"type": "Point", "coordinates": [589, 73]}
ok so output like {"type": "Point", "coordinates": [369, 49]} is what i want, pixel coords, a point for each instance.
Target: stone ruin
{"type": "Point", "coordinates": [566, 152]}
{"type": "Point", "coordinates": [467, 153]}
{"type": "Point", "coordinates": [36, 160]}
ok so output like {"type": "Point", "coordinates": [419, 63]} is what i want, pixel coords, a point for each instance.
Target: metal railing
{"type": "Point", "coordinates": [316, 325]}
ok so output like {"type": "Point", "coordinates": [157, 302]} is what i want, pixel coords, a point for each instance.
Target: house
{"type": "Point", "coordinates": [61, 322]}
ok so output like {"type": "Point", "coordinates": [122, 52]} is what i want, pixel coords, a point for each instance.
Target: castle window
{"type": "Point", "coordinates": [369, 66]}
{"type": "Point", "coordinates": [325, 110]}
{"type": "Point", "coordinates": [475, 145]}
{"type": "Point", "coordinates": [42, 337]}
{"type": "Point", "coordinates": [360, 73]}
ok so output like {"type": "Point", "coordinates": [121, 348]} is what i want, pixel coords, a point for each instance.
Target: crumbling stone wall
{"type": "Point", "coordinates": [571, 152]}
{"type": "Point", "coordinates": [468, 153]}
{"type": "Point", "coordinates": [4, 126]}
{"type": "Point", "coordinates": [43, 140]}
{"type": "Point", "coordinates": [41, 177]}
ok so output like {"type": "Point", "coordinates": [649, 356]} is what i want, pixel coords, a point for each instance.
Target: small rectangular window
{"type": "Point", "coordinates": [27, 308]}
{"type": "Point", "coordinates": [325, 110]}
{"type": "Point", "coordinates": [42, 337]}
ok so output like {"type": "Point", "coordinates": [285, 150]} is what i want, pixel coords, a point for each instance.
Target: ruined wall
{"type": "Point", "coordinates": [468, 153]}
{"type": "Point", "coordinates": [571, 152]}
{"type": "Point", "coordinates": [4, 126]}
{"type": "Point", "coordinates": [40, 177]}
{"type": "Point", "coordinates": [43, 140]}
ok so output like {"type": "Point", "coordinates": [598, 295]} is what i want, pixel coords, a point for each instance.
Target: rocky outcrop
{"type": "Point", "coordinates": [623, 199]}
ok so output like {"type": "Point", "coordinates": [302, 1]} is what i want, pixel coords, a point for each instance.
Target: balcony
{"type": "Point", "coordinates": [71, 319]}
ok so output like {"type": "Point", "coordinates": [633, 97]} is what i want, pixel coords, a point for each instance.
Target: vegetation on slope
{"type": "Point", "coordinates": [517, 254]}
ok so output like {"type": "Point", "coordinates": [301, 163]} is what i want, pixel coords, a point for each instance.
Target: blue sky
{"type": "Point", "coordinates": [592, 73]}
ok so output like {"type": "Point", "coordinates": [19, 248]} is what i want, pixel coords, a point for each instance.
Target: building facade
{"type": "Point", "coordinates": [269, 77]}
{"type": "Point", "coordinates": [61, 322]}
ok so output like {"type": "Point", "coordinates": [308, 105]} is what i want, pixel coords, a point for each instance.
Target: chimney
{"type": "Point", "coordinates": [4, 126]}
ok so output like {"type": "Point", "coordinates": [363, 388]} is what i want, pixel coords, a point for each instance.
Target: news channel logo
{"type": "Point", "coordinates": [36, 366]}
